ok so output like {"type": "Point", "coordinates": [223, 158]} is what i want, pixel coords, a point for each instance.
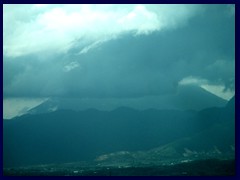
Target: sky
{"type": "Point", "coordinates": [115, 51]}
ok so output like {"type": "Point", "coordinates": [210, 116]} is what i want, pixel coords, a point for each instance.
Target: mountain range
{"type": "Point", "coordinates": [65, 136]}
{"type": "Point", "coordinates": [186, 97]}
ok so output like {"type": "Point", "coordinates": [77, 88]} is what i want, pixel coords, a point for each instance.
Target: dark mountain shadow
{"type": "Point", "coordinates": [67, 136]}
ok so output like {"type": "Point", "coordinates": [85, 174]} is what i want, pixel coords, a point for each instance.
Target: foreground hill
{"type": "Point", "coordinates": [216, 140]}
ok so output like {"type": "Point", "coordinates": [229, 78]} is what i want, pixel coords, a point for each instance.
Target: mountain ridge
{"type": "Point", "coordinates": [186, 97]}
{"type": "Point", "coordinates": [66, 135]}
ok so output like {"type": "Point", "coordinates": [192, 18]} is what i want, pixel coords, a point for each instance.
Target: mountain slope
{"type": "Point", "coordinates": [186, 97]}
{"type": "Point", "coordinates": [215, 141]}
{"type": "Point", "coordinates": [66, 136]}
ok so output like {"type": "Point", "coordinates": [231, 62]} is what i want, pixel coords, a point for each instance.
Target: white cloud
{"type": "Point", "coordinates": [192, 80]}
{"type": "Point", "coordinates": [91, 46]}
{"type": "Point", "coordinates": [39, 5]}
{"type": "Point", "coordinates": [218, 89]}
{"type": "Point", "coordinates": [45, 28]}
{"type": "Point", "coordinates": [17, 106]}
{"type": "Point", "coordinates": [70, 66]}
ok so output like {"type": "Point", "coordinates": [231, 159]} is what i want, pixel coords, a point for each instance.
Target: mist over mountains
{"type": "Point", "coordinates": [118, 85]}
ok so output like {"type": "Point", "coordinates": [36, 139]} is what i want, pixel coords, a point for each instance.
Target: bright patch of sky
{"type": "Point", "coordinates": [217, 89]}
{"type": "Point", "coordinates": [17, 106]}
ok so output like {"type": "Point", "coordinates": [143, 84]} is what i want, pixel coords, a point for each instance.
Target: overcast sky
{"type": "Point", "coordinates": [120, 51]}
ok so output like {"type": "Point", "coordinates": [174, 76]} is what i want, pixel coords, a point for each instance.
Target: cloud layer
{"type": "Point", "coordinates": [116, 50]}
{"type": "Point", "coordinates": [41, 28]}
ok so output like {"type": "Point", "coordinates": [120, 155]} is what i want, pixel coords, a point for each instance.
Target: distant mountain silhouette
{"type": "Point", "coordinates": [186, 97]}
{"type": "Point", "coordinates": [67, 135]}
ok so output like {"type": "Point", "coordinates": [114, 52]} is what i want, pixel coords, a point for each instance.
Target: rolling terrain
{"type": "Point", "coordinates": [68, 136]}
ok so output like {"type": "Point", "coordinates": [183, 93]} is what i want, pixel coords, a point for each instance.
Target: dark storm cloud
{"type": "Point", "coordinates": [132, 65]}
